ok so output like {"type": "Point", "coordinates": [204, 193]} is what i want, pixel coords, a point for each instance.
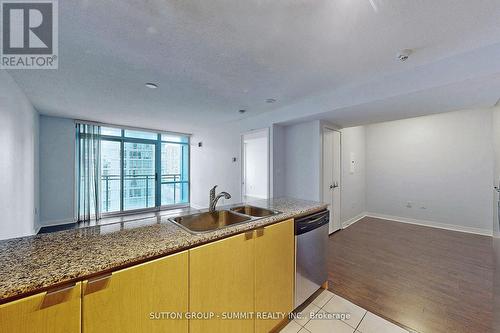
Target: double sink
{"type": "Point", "coordinates": [210, 221]}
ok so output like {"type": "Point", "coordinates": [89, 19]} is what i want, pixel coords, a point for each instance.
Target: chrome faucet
{"type": "Point", "coordinates": [214, 198]}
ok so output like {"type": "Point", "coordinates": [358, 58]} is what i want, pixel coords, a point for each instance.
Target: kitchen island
{"type": "Point", "coordinates": [154, 275]}
{"type": "Point", "coordinates": [34, 264]}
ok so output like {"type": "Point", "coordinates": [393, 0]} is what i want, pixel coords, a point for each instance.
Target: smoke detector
{"type": "Point", "coordinates": [403, 55]}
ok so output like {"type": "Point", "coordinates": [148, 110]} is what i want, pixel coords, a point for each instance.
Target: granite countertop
{"type": "Point", "coordinates": [33, 264]}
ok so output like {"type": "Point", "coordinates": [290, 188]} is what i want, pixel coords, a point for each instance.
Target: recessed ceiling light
{"type": "Point", "coordinates": [151, 85]}
{"type": "Point", "coordinates": [242, 111]}
{"type": "Point", "coordinates": [270, 100]}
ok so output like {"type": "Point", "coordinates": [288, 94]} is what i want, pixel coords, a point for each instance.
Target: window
{"type": "Point", "coordinates": [174, 173]}
{"type": "Point", "coordinates": [142, 170]}
{"type": "Point", "coordinates": [110, 176]}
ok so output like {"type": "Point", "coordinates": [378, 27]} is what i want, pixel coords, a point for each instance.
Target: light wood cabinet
{"type": "Point", "coordinates": [248, 273]}
{"type": "Point", "coordinates": [233, 279]}
{"type": "Point", "coordinates": [222, 277]}
{"type": "Point", "coordinates": [274, 273]}
{"type": "Point", "coordinates": [135, 299]}
{"type": "Point", "coordinates": [56, 311]}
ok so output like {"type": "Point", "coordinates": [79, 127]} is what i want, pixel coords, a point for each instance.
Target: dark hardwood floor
{"type": "Point", "coordinates": [425, 279]}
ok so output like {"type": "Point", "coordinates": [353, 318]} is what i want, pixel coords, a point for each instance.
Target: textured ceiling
{"type": "Point", "coordinates": [211, 58]}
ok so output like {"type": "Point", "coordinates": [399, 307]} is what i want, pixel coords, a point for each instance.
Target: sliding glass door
{"type": "Point", "coordinates": [111, 184]}
{"type": "Point", "coordinates": [141, 170]}
{"type": "Point", "coordinates": [174, 173]}
{"type": "Point", "coordinates": [139, 180]}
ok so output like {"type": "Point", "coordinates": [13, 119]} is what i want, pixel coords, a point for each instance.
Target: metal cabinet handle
{"type": "Point", "coordinates": [97, 284]}
{"type": "Point", "coordinates": [57, 296]}
{"type": "Point", "coordinates": [248, 235]}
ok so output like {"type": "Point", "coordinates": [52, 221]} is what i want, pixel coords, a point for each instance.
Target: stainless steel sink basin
{"type": "Point", "coordinates": [209, 221]}
{"type": "Point", "coordinates": [254, 211]}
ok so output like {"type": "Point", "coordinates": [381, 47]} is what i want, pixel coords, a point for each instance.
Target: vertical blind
{"type": "Point", "coordinates": [88, 171]}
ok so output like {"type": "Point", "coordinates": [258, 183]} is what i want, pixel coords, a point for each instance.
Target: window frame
{"type": "Point", "coordinates": [181, 182]}
{"type": "Point", "coordinates": [122, 139]}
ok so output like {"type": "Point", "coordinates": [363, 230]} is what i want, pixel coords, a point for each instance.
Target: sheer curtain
{"type": "Point", "coordinates": [88, 146]}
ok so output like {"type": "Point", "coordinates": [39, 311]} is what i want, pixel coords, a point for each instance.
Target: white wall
{"type": "Point", "coordinates": [212, 164]}
{"type": "Point", "coordinates": [496, 176]}
{"type": "Point", "coordinates": [496, 224]}
{"type": "Point", "coordinates": [442, 164]}
{"type": "Point", "coordinates": [278, 166]}
{"type": "Point", "coordinates": [303, 156]}
{"type": "Point", "coordinates": [57, 170]}
{"type": "Point", "coordinates": [353, 194]}
{"type": "Point", "coordinates": [19, 161]}
{"type": "Point", "coordinates": [256, 165]}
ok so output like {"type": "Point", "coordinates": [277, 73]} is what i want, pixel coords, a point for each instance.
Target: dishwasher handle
{"type": "Point", "coordinates": [311, 222]}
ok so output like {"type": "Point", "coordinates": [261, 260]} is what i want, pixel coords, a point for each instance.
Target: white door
{"type": "Point", "coordinates": [331, 176]}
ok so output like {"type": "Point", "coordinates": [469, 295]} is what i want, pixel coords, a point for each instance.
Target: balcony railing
{"type": "Point", "coordinates": [140, 182]}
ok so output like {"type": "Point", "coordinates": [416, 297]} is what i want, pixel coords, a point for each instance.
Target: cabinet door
{"type": "Point", "coordinates": [222, 280]}
{"type": "Point", "coordinates": [136, 299]}
{"type": "Point", "coordinates": [274, 272]}
{"type": "Point", "coordinates": [57, 311]}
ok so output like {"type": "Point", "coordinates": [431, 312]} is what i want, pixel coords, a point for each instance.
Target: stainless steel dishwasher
{"type": "Point", "coordinates": [311, 239]}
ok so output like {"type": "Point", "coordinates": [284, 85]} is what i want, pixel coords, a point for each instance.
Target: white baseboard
{"type": "Point", "coordinates": [353, 220]}
{"type": "Point", "coordinates": [55, 222]}
{"type": "Point", "coordinates": [432, 224]}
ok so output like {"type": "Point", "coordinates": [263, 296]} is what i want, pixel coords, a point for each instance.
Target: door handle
{"type": "Point", "coordinates": [334, 185]}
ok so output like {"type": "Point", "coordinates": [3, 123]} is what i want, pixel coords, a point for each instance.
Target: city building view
{"type": "Point", "coordinates": [128, 167]}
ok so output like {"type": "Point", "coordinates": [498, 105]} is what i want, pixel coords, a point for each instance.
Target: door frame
{"type": "Point", "coordinates": [321, 180]}
{"type": "Point", "coordinates": [267, 130]}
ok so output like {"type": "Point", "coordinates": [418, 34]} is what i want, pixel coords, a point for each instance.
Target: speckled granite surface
{"type": "Point", "coordinates": [33, 264]}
